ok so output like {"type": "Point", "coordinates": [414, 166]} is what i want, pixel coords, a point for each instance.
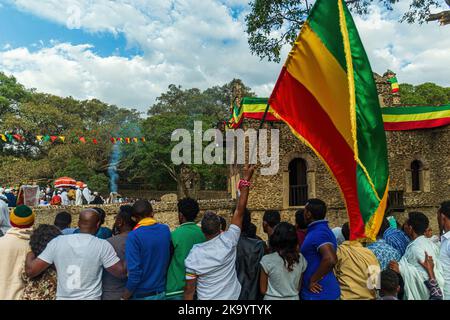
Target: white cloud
{"type": "Point", "coordinates": [417, 53]}
{"type": "Point", "coordinates": [195, 44]}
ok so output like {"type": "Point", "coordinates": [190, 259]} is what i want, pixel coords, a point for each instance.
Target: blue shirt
{"type": "Point", "coordinates": [397, 239]}
{"type": "Point", "coordinates": [147, 253]}
{"type": "Point", "coordinates": [12, 199]}
{"type": "Point", "coordinates": [67, 231]}
{"type": "Point", "coordinates": [384, 252]}
{"type": "Point", "coordinates": [318, 235]}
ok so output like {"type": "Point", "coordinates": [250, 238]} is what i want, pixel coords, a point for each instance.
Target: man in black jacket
{"type": "Point", "coordinates": [250, 251]}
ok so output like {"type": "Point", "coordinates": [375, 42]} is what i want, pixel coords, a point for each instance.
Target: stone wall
{"type": "Point", "coordinates": [165, 212]}
{"type": "Point", "coordinates": [157, 194]}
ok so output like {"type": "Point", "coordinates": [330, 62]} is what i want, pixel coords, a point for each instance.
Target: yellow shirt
{"type": "Point", "coordinates": [355, 270]}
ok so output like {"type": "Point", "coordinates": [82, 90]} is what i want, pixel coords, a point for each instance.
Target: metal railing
{"type": "Point", "coordinates": [298, 195]}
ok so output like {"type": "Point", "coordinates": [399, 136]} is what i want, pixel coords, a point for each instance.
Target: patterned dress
{"type": "Point", "coordinates": [42, 287]}
{"type": "Point", "coordinates": [384, 252]}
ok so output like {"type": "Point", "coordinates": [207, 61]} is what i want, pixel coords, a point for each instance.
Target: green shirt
{"type": "Point", "coordinates": [183, 239]}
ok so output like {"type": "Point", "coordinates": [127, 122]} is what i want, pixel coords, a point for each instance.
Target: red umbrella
{"type": "Point", "coordinates": [65, 182]}
{"type": "Point", "coordinates": [81, 184]}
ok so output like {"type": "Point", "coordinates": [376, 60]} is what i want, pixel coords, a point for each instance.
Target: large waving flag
{"type": "Point", "coordinates": [327, 95]}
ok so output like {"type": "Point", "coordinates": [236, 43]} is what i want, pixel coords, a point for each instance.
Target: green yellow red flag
{"type": "Point", "coordinates": [327, 96]}
{"type": "Point", "coordinates": [415, 117]}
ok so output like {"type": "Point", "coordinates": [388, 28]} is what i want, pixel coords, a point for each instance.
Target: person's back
{"type": "Point", "coordinates": [413, 273]}
{"type": "Point", "coordinates": [249, 254]}
{"type": "Point", "coordinates": [352, 271]}
{"type": "Point", "coordinates": [112, 287]}
{"type": "Point", "coordinates": [319, 238]}
{"type": "Point", "coordinates": [183, 239]}
{"type": "Point", "coordinates": [147, 254]}
{"type": "Point", "coordinates": [397, 239]}
{"type": "Point", "coordinates": [12, 199]}
{"type": "Point", "coordinates": [4, 217]}
{"type": "Point", "coordinates": [282, 270]}
{"type": "Point", "coordinates": [213, 262]}
{"type": "Point", "coordinates": [13, 249]}
{"type": "Point", "coordinates": [79, 260]}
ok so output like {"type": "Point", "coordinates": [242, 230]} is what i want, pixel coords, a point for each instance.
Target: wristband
{"type": "Point", "coordinates": [243, 183]}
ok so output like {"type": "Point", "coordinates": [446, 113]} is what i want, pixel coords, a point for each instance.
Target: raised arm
{"type": "Point", "coordinates": [244, 186]}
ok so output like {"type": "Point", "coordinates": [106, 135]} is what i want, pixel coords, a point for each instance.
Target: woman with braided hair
{"type": "Point", "coordinates": [282, 270]}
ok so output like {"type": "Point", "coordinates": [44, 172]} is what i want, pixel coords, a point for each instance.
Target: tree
{"type": "Point", "coordinates": [271, 24]}
{"type": "Point", "coordinates": [99, 183]}
{"type": "Point", "coordinates": [424, 94]}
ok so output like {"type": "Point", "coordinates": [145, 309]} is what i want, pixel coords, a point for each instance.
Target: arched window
{"type": "Point", "coordinates": [298, 184]}
{"type": "Point", "coordinates": [416, 175]}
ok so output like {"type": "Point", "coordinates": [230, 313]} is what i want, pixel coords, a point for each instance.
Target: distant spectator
{"type": "Point", "coordinates": [63, 220]}
{"type": "Point", "coordinates": [270, 220]}
{"type": "Point", "coordinates": [300, 226]}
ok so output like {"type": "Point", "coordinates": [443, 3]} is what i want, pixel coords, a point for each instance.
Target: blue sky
{"type": "Point", "coordinates": [20, 28]}
{"type": "Point", "coordinates": [127, 52]}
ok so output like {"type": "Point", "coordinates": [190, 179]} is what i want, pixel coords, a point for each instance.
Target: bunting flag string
{"type": "Point", "coordinates": [8, 137]}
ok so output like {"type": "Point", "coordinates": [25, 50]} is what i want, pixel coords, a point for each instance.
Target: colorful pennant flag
{"type": "Point", "coordinates": [327, 95]}
{"type": "Point", "coordinates": [82, 140]}
{"type": "Point", "coordinates": [135, 140]}
{"type": "Point", "coordinates": [3, 137]}
{"type": "Point", "coordinates": [62, 138]}
{"type": "Point", "coordinates": [143, 139]}
{"type": "Point", "coordinates": [10, 137]}
{"type": "Point", "coordinates": [113, 140]}
{"type": "Point", "coordinates": [47, 138]}
{"type": "Point", "coordinates": [127, 140]}
{"type": "Point", "coordinates": [39, 138]}
{"type": "Point", "coordinates": [53, 138]}
{"type": "Point", "coordinates": [94, 141]}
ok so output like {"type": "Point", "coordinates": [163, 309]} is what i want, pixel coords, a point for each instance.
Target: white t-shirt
{"type": "Point", "coordinates": [79, 260]}
{"type": "Point", "coordinates": [444, 258]}
{"type": "Point", "coordinates": [213, 263]}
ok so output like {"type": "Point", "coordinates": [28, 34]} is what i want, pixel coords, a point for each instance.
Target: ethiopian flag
{"type": "Point", "coordinates": [415, 117]}
{"type": "Point", "coordinates": [394, 84]}
{"type": "Point", "coordinates": [327, 95]}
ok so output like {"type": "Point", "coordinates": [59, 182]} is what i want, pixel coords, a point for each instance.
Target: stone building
{"type": "Point", "coordinates": [419, 165]}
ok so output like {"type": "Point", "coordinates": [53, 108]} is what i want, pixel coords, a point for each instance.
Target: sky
{"type": "Point", "coordinates": [127, 52]}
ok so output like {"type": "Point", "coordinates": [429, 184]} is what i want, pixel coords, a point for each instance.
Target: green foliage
{"type": "Point", "coordinates": [76, 169]}
{"type": "Point", "coordinates": [30, 113]}
{"type": "Point", "coordinates": [271, 24]}
{"type": "Point", "coordinates": [99, 183]}
{"type": "Point", "coordinates": [424, 94]}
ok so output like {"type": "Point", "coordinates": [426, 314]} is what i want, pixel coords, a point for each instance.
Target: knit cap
{"type": "Point", "coordinates": [22, 217]}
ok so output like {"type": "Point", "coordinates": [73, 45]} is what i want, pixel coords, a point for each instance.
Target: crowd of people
{"type": "Point", "coordinates": [141, 259]}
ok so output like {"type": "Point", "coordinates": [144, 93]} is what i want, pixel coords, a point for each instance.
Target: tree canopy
{"type": "Point", "coordinates": [424, 94]}
{"type": "Point", "coordinates": [271, 24]}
